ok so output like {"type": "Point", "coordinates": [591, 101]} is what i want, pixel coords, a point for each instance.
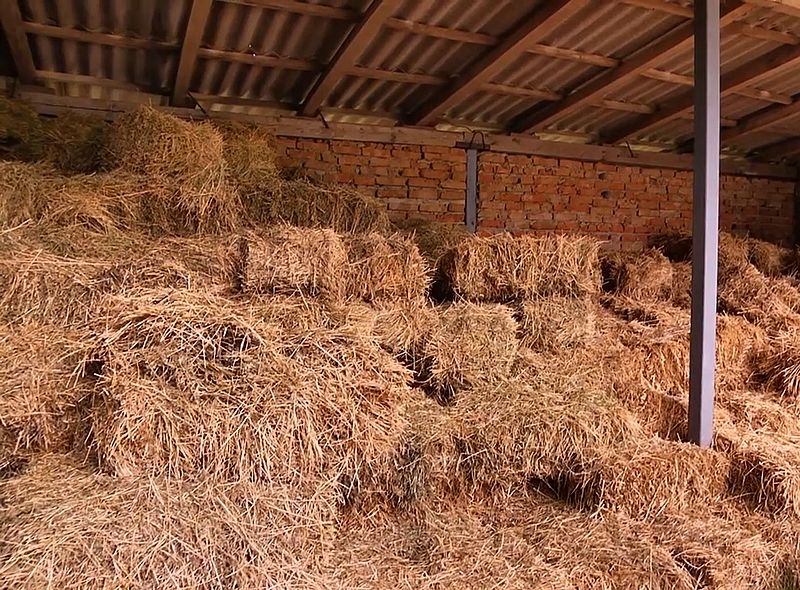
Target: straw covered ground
{"type": "Point", "coordinates": [215, 376]}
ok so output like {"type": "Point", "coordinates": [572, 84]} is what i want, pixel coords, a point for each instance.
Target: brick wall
{"type": "Point", "coordinates": [619, 204]}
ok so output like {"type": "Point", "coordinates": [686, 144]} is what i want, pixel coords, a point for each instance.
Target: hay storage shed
{"type": "Point", "coordinates": [250, 338]}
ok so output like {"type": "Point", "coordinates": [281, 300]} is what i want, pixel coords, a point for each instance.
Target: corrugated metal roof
{"type": "Point", "coordinates": [275, 51]}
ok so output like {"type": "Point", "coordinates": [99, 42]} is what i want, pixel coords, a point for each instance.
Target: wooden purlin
{"type": "Point", "coordinates": [543, 21]}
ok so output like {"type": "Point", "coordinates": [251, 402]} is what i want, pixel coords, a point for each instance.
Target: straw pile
{"type": "Point", "coordinates": [21, 131]}
{"type": "Point", "coordinates": [385, 268]}
{"type": "Point", "coordinates": [505, 268]}
{"type": "Point", "coordinates": [285, 407]}
{"type": "Point", "coordinates": [72, 529]}
{"type": "Point", "coordinates": [74, 143]}
{"type": "Point", "coordinates": [342, 208]}
{"type": "Point", "coordinates": [472, 345]}
{"type": "Point", "coordinates": [184, 165]}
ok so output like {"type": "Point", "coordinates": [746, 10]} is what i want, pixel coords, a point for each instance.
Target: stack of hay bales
{"type": "Point", "coordinates": [284, 406]}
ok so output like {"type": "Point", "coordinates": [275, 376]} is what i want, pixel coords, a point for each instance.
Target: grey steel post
{"type": "Point", "coordinates": [471, 205]}
{"type": "Point", "coordinates": [706, 220]}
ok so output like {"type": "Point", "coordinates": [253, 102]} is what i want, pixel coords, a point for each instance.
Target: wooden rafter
{"type": "Point", "coordinates": [198, 18]}
{"type": "Point", "coordinates": [762, 119]}
{"type": "Point", "coordinates": [754, 93]}
{"type": "Point", "coordinates": [437, 32]}
{"type": "Point", "coordinates": [676, 41]}
{"type": "Point", "coordinates": [345, 59]}
{"type": "Point", "coordinates": [741, 77]}
{"type": "Point", "coordinates": [11, 21]}
{"type": "Point", "coordinates": [544, 20]}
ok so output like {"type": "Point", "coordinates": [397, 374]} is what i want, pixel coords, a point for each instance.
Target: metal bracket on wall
{"type": "Point", "coordinates": [472, 148]}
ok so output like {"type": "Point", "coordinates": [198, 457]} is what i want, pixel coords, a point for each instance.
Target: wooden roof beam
{"type": "Point", "coordinates": [13, 27]}
{"type": "Point", "coordinates": [754, 93]}
{"type": "Point", "coordinates": [761, 120]}
{"type": "Point", "coordinates": [345, 59]}
{"type": "Point", "coordinates": [676, 41]}
{"type": "Point", "coordinates": [542, 22]}
{"type": "Point", "coordinates": [198, 18]}
{"type": "Point", "coordinates": [747, 74]}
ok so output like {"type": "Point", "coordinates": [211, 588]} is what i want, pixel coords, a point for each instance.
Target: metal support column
{"type": "Point", "coordinates": [706, 220]}
{"type": "Point", "coordinates": [471, 204]}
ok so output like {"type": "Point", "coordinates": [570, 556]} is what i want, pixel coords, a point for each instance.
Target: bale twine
{"type": "Point", "coordinates": [289, 260]}
{"type": "Point", "coordinates": [505, 268]}
{"type": "Point", "coordinates": [385, 268]}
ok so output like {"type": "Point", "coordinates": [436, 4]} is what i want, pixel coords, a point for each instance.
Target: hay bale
{"type": "Point", "coordinates": [512, 433]}
{"type": "Point", "coordinates": [250, 154]}
{"type": "Point", "coordinates": [24, 189]}
{"type": "Point", "coordinates": [554, 323]}
{"type": "Point", "coordinates": [505, 268]}
{"type": "Point", "coordinates": [769, 259]}
{"type": "Point", "coordinates": [765, 474]}
{"type": "Point", "coordinates": [74, 143]}
{"type": "Point", "coordinates": [21, 131]}
{"type": "Point", "coordinates": [610, 552]}
{"type": "Point", "coordinates": [649, 478]}
{"type": "Point", "coordinates": [385, 268]}
{"type": "Point", "coordinates": [681, 295]}
{"type": "Point", "coordinates": [733, 251]}
{"type": "Point", "coordinates": [340, 207]}
{"type": "Point", "coordinates": [434, 238]}
{"type": "Point", "coordinates": [42, 388]}
{"type": "Point", "coordinates": [472, 345]}
{"type": "Point", "coordinates": [184, 166]}
{"type": "Point", "coordinates": [193, 383]}
{"type": "Point", "coordinates": [400, 328]}
{"type": "Point", "coordinates": [717, 551]}
{"type": "Point", "coordinates": [65, 527]}
{"type": "Point", "coordinates": [758, 411]}
{"type": "Point", "coordinates": [778, 367]}
{"type": "Point", "coordinates": [645, 275]}
{"type": "Point", "coordinates": [39, 287]}
{"type": "Point", "coordinates": [289, 260]}
{"type": "Point", "coordinates": [452, 547]}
